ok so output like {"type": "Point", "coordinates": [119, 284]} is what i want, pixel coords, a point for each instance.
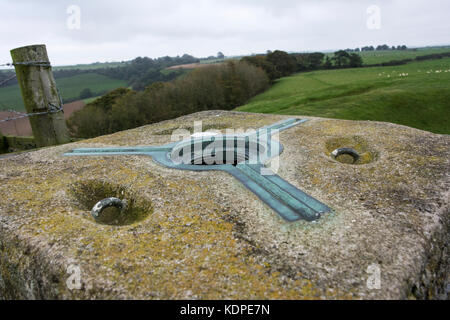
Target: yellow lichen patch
{"type": "Point", "coordinates": [189, 250]}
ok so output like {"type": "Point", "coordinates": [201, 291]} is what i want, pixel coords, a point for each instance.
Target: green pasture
{"type": "Point", "coordinates": [416, 94]}
{"type": "Point", "coordinates": [70, 88]}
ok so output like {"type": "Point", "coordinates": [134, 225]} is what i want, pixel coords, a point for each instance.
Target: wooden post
{"type": "Point", "coordinates": [40, 94]}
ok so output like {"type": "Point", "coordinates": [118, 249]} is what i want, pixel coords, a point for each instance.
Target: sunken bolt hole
{"type": "Point", "coordinates": [108, 203]}
{"type": "Point", "coordinates": [345, 155]}
{"type": "Point", "coordinates": [109, 210]}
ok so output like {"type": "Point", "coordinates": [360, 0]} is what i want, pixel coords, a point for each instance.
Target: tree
{"type": "Point", "coordinates": [309, 61]}
{"type": "Point", "coordinates": [86, 93]}
{"type": "Point", "coordinates": [262, 62]}
{"type": "Point", "coordinates": [355, 60]}
{"type": "Point", "coordinates": [94, 119]}
{"type": "Point", "coordinates": [383, 47]}
{"type": "Point", "coordinates": [328, 64]}
{"type": "Point", "coordinates": [284, 63]}
{"type": "Point", "coordinates": [224, 86]}
{"type": "Point", "coordinates": [220, 55]}
{"type": "Point", "coordinates": [341, 59]}
{"type": "Point", "coordinates": [367, 48]}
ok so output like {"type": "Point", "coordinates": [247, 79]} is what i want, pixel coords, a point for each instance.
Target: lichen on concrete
{"type": "Point", "coordinates": [203, 235]}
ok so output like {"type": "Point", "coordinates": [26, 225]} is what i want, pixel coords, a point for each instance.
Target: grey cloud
{"type": "Point", "coordinates": [116, 30]}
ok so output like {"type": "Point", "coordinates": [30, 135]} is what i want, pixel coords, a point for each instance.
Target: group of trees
{"type": "Point", "coordinates": [220, 56]}
{"type": "Point", "coordinates": [343, 59]}
{"type": "Point", "coordinates": [379, 48]}
{"type": "Point", "coordinates": [280, 64]}
{"type": "Point", "coordinates": [86, 93]}
{"type": "Point", "coordinates": [224, 86]}
{"type": "Point", "coordinates": [144, 71]}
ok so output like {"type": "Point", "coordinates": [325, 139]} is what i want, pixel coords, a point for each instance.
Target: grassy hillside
{"type": "Point", "coordinates": [375, 57]}
{"type": "Point", "coordinates": [416, 94]}
{"type": "Point", "coordinates": [70, 88]}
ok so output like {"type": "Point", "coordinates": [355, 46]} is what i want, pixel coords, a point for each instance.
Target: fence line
{"type": "Point", "coordinates": [52, 109]}
{"type": "Point", "coordinates": [7, 80]}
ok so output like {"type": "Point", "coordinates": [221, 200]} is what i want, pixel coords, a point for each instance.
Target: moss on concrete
{"type": "Point", "coordinates": [15, 143]}
{"type": "Point", "coordinates": [3, 144]}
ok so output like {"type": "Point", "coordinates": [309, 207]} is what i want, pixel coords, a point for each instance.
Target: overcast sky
{"type": "Point", "coordinates": [122, 30]}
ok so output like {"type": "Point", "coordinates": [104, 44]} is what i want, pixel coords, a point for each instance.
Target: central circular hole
{"type": "Point", "coordinates": [218, 158]}
{"type": "Point", "coordinates": [209, 151]}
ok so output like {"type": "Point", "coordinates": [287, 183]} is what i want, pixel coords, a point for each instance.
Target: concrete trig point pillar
{"type": "Point", "coordinates": [40, 94]}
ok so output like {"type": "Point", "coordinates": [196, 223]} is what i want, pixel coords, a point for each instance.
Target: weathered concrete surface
{"type": "Point", "coordinates": [205, 236]}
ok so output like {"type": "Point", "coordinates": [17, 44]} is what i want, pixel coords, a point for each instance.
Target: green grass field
{"type": "Point", "coordinates": [92, 66]}
{"type": "Point", "coordinates": [375, 57]}
{"type": "Point", "coordinates": [415, 94]}
{"type": "Point", "coordinates": [70, 88]}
